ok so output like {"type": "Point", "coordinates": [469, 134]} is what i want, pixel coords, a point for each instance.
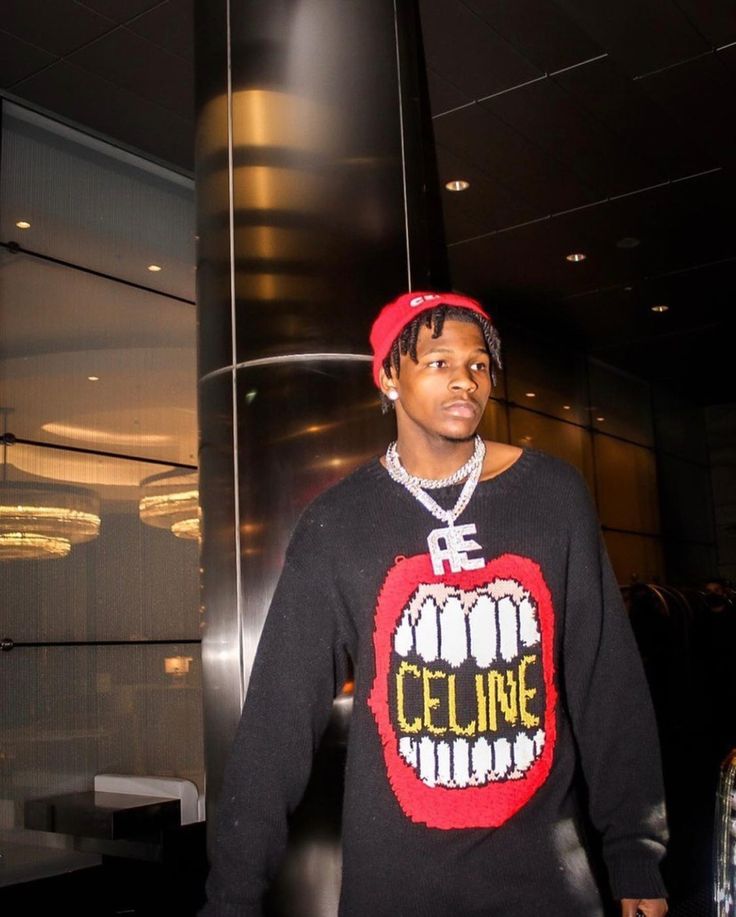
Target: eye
{"type": "Point", "coordinates": [480, 366]}
{"type": "Point", "coordinates": [439, 364]}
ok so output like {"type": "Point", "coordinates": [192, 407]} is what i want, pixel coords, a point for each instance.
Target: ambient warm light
{"type": "Point", "coordinates": [186, 528]}
{"type": "Point", "coordinates": [457, 184]}
{"type": "Point", "coordinates": [600, 419]}
{"type": "Point", "coordinates": [575, 257]}
{"type": "Point", "coordinates": [25, 545]}
{"type": "Point", "coordinates": [39, 520]}
{"type": "Point", "coordinates": [176, 511]}
{"type": "Point", "coordinates": [531, 394]}
{"type": "Point", "coordinates": [93, 378]}
{"type": "Point", "coordinates": [177, 665]}
{"type": "Point", "coordinates": [565, 407]}
{"type": "Point", "coordinates": [661, 307]}
{"type": "Point", "coordinates": [23, 224]}
{"type": "Point", "coordinates": [109, 437]}
{"type": "Point", "coordinates": [154, 268]}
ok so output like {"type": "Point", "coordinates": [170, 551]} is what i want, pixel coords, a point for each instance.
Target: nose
{"type": "Point", "coordinates": [463, 380]}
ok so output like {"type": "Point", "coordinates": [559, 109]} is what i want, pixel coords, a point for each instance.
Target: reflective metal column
{"type": "Point", "coordinates": [317, 202]}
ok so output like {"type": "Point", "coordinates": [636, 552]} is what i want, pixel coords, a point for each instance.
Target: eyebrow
{"type": "Point", "coordinates": [482, 350]}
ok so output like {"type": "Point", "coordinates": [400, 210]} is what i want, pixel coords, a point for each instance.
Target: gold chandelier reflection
{"type": "Point", "coordinates": [40, 521]}
{"type": "Point", "coordinates": [172, 503]}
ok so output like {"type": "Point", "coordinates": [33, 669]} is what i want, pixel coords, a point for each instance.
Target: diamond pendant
{"type": "Point", "coordinates": [452, 545]}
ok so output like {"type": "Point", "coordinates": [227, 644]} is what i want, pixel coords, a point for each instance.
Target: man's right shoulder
{"type": "Point", "coordinates": [344, 496]}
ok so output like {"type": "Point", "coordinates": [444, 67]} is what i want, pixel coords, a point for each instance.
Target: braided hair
{"type": "Point", "coordinates": [406, 342]}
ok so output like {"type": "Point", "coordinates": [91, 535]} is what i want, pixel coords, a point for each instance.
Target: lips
{"type": "Point", "coordinates": [466, 409]}
{"type": "Point", "coordinates": [464, 695]}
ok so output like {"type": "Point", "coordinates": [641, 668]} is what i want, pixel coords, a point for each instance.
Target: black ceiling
{"type": "Point", "coordinates": [582, 125]}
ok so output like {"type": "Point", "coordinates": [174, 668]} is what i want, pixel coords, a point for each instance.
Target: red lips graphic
{"type": "Point", "coordinates": [464, 695]}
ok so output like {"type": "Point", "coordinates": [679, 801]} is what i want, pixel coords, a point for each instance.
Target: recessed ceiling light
{"type": "Point", "coordinates": [93, 378]}
{"type": "Point", "coordinates": [23, 224]}
{"type": "Point", "coordinates": [154, 268]}
{"type": "Point", "coordinates": [457, 184]}
{"type": "Point", "coordinates": [531, 394]}
{"type": "Point", "coordinates": [575, 257]}
{"type": "Point", "coordinates": [565, 407]}
{"type": "Point", "coordinates": [660, 307]}
{"type": "Point", "coordinates": [600, 419]}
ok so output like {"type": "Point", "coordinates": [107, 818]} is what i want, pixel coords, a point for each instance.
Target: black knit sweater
{"type": "Point", "coordinates": [479, 696]}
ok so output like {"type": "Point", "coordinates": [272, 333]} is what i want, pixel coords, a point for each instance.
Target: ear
{"type": "Point", "coordinates": [386, 381]}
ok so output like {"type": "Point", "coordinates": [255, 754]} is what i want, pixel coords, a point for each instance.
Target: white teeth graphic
{"type": "Point", "coordinates": [528, 628]}
{"type": "Point", "coordinates": [453, 636]}
{"type": "Point", "coordinates": [427, 770]}
{"type": "Point", "coordinates": [464, 763]}
{"type": "Point", "coordinates": [404, 638]}
{"type": "Point", "coordinates": [460, 762]}
{"type": "Point", "coordinates": [501, 618]}
{"type": "Point", "coordinates": [501, 757]}
{"type": "Point", "coordinates": [427, 634]}
{"type": "Point", "coordinates": [482, 760]}
{"type": "Point", "coordinates": [523, 751]}
{"type": "Point", "coordinates": [444, 764]}
{"type": "Point", "coordinates": [409, 748]}
{"type": "Point", "coordinates": [509, 645]}
{"type": "Point", "coordinates": [445, 624]}
{"type": "Point", "coordinates": [483, 631]}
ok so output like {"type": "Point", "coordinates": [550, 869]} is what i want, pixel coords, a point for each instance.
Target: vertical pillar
{"type": "Point", "coordinates": [317, 202]}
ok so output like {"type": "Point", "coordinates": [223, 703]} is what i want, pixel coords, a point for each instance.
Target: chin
{"type": "Point", "coordinates": [460, 438]}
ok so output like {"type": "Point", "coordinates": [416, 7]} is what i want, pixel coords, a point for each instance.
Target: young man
{"type": "Point", "coordinates": [493, 664]}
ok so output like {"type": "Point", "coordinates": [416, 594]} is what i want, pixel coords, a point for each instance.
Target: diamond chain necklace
{"type": "Point", "coordinates": [402, 475]}
{"type": "Point", "coordinates": [451, 544]}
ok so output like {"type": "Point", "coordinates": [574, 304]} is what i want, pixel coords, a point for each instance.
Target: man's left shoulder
{"type": "Point", "coordinates": [550, 470]}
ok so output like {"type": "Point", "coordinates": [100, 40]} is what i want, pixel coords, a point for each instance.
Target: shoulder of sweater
{"type": "Point", "coordinates": [548, 471]}
{"type": "Point", "coordinates": [341, 497]}
{"type": "Point", "coordinates": [555, 483]}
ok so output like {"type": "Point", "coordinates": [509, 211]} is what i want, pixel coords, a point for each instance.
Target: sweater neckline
{"type": "Point", "coordinates": [499, 483]}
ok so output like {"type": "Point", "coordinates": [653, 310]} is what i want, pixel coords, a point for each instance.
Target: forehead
{"type": "Point", "coordinates": [456, 335]}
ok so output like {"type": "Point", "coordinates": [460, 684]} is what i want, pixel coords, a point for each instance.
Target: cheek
{"type": "Point", "coordinates": [420, 395]}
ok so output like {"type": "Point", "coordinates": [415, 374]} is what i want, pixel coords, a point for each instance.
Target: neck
{"type": "Point", "coordinates": [435, 461]}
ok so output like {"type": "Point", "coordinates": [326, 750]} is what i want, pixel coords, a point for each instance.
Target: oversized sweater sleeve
{"type": "Point", "coordinates": [299, 667]}
{"type": "Point", "coordinates": [611, 712]}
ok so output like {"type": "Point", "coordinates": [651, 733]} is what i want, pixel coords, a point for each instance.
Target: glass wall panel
{"type": "Point", "coordinates": [93, 205]}
{"type": "Point", "coordinates": [635, 558]}
{"type": "Point", "coordinates": [722, 448]}
{"type": "Point", "coordinates": [685, 495]}
{"type": "Point", "coordinates": [142, 717]}
{"type": "Point", "coordinates": [547, 379]}
{"type": "Point", "coordinates": [99, 501]}
{"type": "Point", "coordinates": [131, 580]}
{"type": "Point", "coordinates": [626, 486]}
{"type": "Point", "coordinates": [620, 404]}
{"type": "Point", "coordinates": [690, 564]}
{"type": "Point", "coordinates": [96, 364]}
{"type": "Point", "coordinates": [564, 440]}
{"type": "Point", "coordinates": [494, 425]}
{"type": "Point", "coordinates": [680, 426]}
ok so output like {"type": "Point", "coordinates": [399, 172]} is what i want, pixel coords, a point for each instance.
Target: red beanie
{"type": "Point", "coordinates": [395, 316]}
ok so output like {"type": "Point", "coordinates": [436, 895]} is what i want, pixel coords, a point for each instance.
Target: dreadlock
{"type": "Point", "coordinates": [406, 343]}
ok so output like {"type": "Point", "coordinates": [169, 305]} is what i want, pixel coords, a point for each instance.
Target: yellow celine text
{"type": "Point", "coordinates": [499, 696]}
